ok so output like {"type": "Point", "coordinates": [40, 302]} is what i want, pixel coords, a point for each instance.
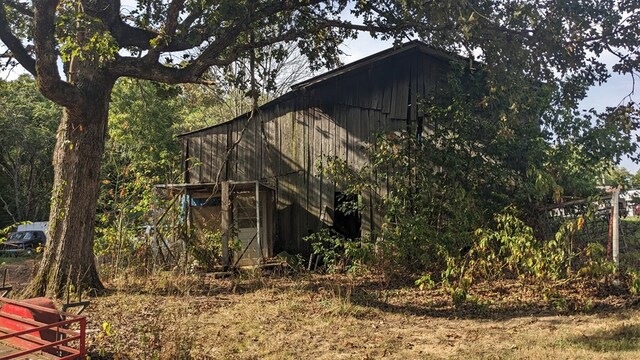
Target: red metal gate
{"type": "Point", "coordinates": [29, 328]}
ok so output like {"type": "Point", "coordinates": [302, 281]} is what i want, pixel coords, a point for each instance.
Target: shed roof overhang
{"type": "Point", "coordinates": [213, 188]}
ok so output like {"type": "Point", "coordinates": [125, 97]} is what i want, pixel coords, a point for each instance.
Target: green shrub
{"type": "Point", "coordinates": [339, 253]}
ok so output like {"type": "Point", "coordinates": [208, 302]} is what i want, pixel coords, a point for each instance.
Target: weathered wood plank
{"type": "Point", "coordinates": [306, 158]}
{"type": "Point", "coordinates": [221, 153]}
{"type": "Point", "coordinates": [233, 152]}
{"type": "Point", "coordinates": [365, 126]}
{"type": "Point", "coordinates": [423, 64]}
{"type": "Point", "coordinates": [387, 94]}
{"type": "Point", "coordinates": [213, 169]}
{"type": "Point", "coordinates": [396, 95]}
{"type": "Point", "coordinates": [414, 84]}
{"type": "Point", "coordinates": [327, 126]}
{"type": "Point", "coordinates": [353, 137]}
{"type": "Point", "coordinates": [253, 156]}
{"type": "Point", "coordinates": [315, 185]}
{"type": "Point", "coordinates": [297, 193]}
{"type": "Point", "coordinates": [341, 137]}
{"type": "Point", "coordinates": [207, 158]}
{"type": "Point", "coordinates": [242, 151]}
{"type": "Point", "coordinates": [257, 148]}
{"type": "Point", "coordinates": [402, 99]}
{"type": "Point", "coordinates": [199, 156]}
{"type": "Point", "coordinates": [269, 148]}
{"type": "Point", "coordinates": [239, 152]}
{"type": "Point", "coordinates": [376, 94]}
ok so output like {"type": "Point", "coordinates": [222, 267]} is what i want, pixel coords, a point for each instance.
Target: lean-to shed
{"type": "Point", "coordinates": [334, 114]}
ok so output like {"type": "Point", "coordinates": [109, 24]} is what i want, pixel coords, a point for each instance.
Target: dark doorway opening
{"type": "Point", "coordinates": [347, 219]}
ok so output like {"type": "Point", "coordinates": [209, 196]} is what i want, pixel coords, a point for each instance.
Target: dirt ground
{"type": "Point", "coordinates": [327, 317]}
{"type": "Point", "coordinates": [257, 316]}
{"type": "Point", "coordinates": [18, 271]}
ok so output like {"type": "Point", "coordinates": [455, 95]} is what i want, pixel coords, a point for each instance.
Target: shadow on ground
{"type": "Point", "coordinates": [625, 337]}
{"type": "Point", "coordinates": [498, 300]}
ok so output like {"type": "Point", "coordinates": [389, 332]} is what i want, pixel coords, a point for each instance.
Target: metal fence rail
{"type": "Point", "coordinates": [31, 342]}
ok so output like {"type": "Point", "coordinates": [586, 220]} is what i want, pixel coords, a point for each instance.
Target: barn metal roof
{"type": "Point", "coordinates": [379, 56]}
{"type": "Point", "coordinates": [345, 69]}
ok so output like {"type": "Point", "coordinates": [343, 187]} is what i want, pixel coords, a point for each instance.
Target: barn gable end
{"type": "Point", "coordinates": [334, 114]}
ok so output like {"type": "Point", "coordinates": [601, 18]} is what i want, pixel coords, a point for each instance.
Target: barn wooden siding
{"type": "Point", "coordinates": [333, 117]}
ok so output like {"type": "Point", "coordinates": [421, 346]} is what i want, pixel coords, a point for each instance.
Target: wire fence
{"type": "Point", "coordinates": [596, 226]}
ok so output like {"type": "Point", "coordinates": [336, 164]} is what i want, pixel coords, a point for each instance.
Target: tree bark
{"type": "Point", "coordinates": [68, 255]}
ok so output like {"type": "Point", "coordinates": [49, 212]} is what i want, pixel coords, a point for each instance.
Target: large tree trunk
{"type": "Point", "coordinates": [68, 256]}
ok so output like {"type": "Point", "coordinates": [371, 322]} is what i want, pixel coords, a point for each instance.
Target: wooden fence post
{"type": "Point", "coordinates": [615, 236]}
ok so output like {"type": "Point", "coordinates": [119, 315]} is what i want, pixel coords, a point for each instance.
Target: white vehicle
{"type": "Point", "coordinates": [34, 226]}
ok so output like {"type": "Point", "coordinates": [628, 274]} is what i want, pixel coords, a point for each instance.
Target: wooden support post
{"type": "Point", "coordinates": [615, 195]}
{"type": "Point", "coordinates": [186, 236]}
{"type": "Point", "coordinates": [225, 223]}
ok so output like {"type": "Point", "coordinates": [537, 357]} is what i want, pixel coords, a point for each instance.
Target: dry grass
{"type": "Point", "coordinates": [194, 317]}
{"type": "Point", "coordinates": [169, 316]}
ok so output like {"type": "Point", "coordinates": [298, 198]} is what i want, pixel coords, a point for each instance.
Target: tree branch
{"type": "Point", "coordinates": [19, 7]}
{"type": "Point", "coordinates": [167, 32]}
{"type": "Point", "coordinates": [225, 43]}
{"type": "Point", "coordinates": [18, 51]}
{"type": "Point", "coordinates": [173, 14]}
{"type": "Point", "coordinates": [137, 68]}
{"type": "Point", "coordinates": [189, 20]}
{"type": "Point", "coordinates": [7, 210]}
{"type": "Point", "coordinates": [47, 75]}
{"type": "Point", "coordinates": [127, 35]}
{"type": "Point", "coordinates": [148, 67]}
{"type": "Point", "coordinates": [130, 36]}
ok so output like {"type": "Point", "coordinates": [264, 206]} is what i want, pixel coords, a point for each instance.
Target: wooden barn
{"type": "Point", "coordinates": [273, 154]}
